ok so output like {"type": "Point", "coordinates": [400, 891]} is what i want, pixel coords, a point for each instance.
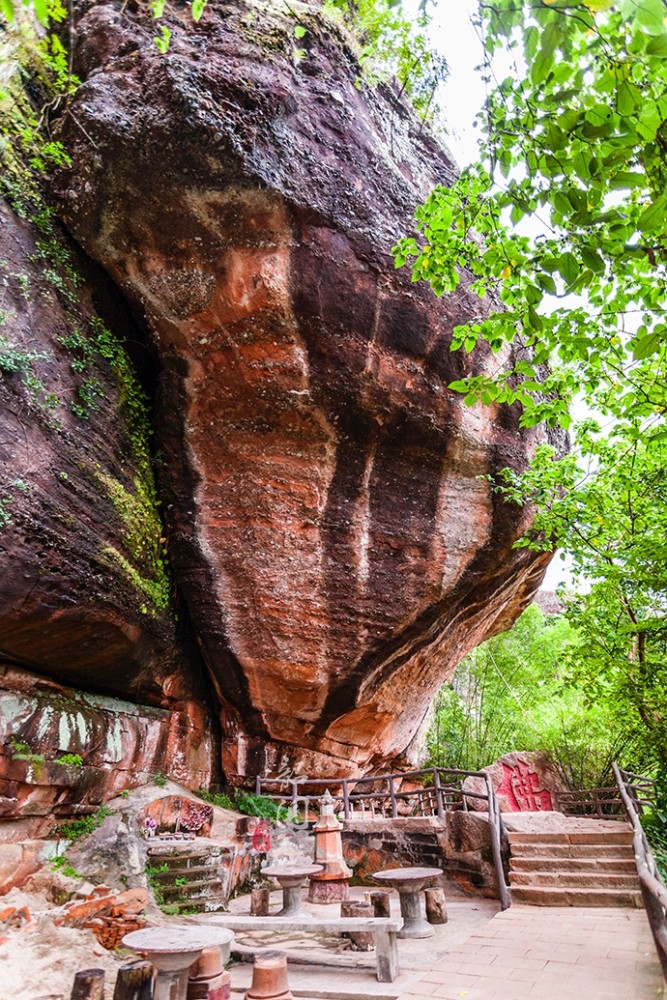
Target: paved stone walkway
{"type": "Point", "coordinates": [550, 953]}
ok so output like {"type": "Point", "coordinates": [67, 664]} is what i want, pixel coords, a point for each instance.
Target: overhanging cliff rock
{"type": "Point", "coordinates": [331, 534]}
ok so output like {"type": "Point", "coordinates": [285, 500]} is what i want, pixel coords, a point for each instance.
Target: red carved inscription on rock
{"type": "Point", "coordinates": [521, 788]}
{"type": "Point", "coordinates": [261, 838]}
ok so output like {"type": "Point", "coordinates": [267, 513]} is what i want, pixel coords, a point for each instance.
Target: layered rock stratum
{"type": "Point", "coordinates": [332, 536]}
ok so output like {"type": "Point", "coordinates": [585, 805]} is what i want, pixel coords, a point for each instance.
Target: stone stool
{"type": "Point", "coordinates": [88, 985]}
{"type": "Point", "coordinates": [359, 940]}
{"type": "Point", "coordinates": [436, 906]}
{"type": "Point", "coordinates": [269, 978]}
{"type": "Point", "coordinates": [259, 902]}
{"type": "Point", "coordinates": [207, 979]}
{"type": "Point", "coordinates": [380, 901]}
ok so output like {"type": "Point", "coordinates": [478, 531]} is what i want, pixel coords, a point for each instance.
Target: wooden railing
{"type": "Point", "coordinates": [600, 802]}
{"type": "Point", "coordinates": [438, 791]}
{"type": "Point", "coordinates": [636, 793]}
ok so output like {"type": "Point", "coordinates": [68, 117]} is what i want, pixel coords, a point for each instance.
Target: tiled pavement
{"type": "Point", "coordinates": [550, 953]}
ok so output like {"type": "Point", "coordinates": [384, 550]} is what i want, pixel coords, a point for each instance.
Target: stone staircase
{"type": "Point", "coordinates": [188, 877]}
{"type": "Point", "coordinates": [583, 863]}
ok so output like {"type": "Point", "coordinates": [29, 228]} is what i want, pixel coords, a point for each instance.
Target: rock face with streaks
{"type": "Point", "coordinates": [85, 601]}
{"type": "Point", "coordinates": [330, 533]}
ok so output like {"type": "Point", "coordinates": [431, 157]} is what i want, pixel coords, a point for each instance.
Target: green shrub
{"type": "Point", "coordinates": [260, 805]}
{"type": "Point", "coordinates": [248, 803]}
{"type": "Point", "coordinates": [62, 865]}
{"type": "Point", "coordinates": [75, 828]}
{"type": "Point", "coordinates": [654, 822]}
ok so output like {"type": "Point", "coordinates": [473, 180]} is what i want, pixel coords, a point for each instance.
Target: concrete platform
{"type": "Point", "coordinates": [322, 967]}
{"type": "Point", "coordinates": [525, 953]}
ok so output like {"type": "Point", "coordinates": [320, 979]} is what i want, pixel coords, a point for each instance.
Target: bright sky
{"type": "Point", "coordinates": [463, 94]}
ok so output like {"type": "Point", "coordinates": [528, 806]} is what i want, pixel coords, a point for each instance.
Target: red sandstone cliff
{"type": "Point", "coordinates": [328, 529]}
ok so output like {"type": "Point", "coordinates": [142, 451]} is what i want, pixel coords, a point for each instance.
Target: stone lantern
{"type": "Point", "coordinates": [331, 885]}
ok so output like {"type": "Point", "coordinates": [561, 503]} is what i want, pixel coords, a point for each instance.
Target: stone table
{"type": "Point", "coordinates": [172, 950]}
{"type": "Point", "coordinates": [291, 879]}
{"type": "Point", "coordinates": [409, 882]}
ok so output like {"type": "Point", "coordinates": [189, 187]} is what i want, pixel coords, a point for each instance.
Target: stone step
{"type": "Point", "coordinates": [621, 836]}
{"type": "Point", "coordinates": [191, 871]}
{"type": "Point", "coordinates": [550, 896]}
{"type": "Point", "coordinates": [189, 886]}
{"type": "Point", "coordinates": [540, 863]}
{"type": "Point", "coordinates": [575, 880]}
{"type": "Point", "coordinates": [166, 853]}
{"type": "Point", "coordinates": [567, 850]}
{"type": "Point", "coordinates": [201, 904]}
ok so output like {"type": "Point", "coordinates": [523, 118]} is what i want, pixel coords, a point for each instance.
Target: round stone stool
{"type": "Point", "coordinates": [172, 950]}
{"type": "Point", "coordinates": [409, 882]}
{"type": "Point", "coordinates": [269, 977]}
{"type": "Point", "coordinates": [291, 879]}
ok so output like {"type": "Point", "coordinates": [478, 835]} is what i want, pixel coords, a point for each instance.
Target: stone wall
{"type": "Point", "coordinates": [461, 846]}
{"type": "Point", "coordinates": [119, 745]}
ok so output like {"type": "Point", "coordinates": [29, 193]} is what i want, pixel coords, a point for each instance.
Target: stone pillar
{"type": "Point", "coordinates": [436, 906]}
{"type": "Point", "coordinates": [269, 978]}
{"type": "Point", "coordinates": [332, 884]}
{"type": "Point", "coordinates": [380, 901]}
{"type": "Point", "coordinates": [360, 940]}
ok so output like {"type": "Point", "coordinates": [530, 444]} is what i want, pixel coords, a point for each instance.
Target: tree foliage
{"type": "Point", "coordinates": [391, 43]}
{"type": "Point", "coordinates": [521, 691]}
{"type": "Point", "coordinates": [562, 226]}
{"type": "Point", "coordinates": [577, 142]}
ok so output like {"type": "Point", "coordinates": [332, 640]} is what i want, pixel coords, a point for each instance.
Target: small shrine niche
{"type": "Point", "coordinates": [174, 817]}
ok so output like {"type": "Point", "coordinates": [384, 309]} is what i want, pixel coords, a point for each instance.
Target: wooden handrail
{"type": "Point", "coordinates": [654, 892]}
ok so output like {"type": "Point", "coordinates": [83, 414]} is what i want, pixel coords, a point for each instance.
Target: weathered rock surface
{"type": "Point", "coordinates": [45, 727]}
{"type": "Point", "coordinates": [328, 527]}
{"type": "Point", "coordinates": [523, 782]}
{"type": "Point", "coordinates": [84, 595]}
{"type": "Point", "coordinates": [460, 846]}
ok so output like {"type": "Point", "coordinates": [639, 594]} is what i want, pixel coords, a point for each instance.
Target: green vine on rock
{"type": "Point", "coordinates": [391, 43]}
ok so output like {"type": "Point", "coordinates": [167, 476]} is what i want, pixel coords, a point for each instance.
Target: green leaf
{"type": "Point", "coordinates": [198, 7]}
{"type": "Point", "coordinates": [627, 179]}
{"type": "Point", "coordinates": [7, 9]}
{"type": "Point", "coordinates": [299, 31]}
{"type": "Point", "coordinates": [592, 259]}
{"type": "Point", "coordinates": [530, 41]}
{"type": "Point", "coordinates": [658, 45]}
{"type": "Point", "coordinates": [651, 15]}
{"type": "Point", "coordinates": [628, 98]}
{"type": "Point", "coordinates": [653, 217]}
{"type": "Point", "coordinates": [42, 11]}
{"type": "Point", "coordinates": [541, 67]}
{"type": "Point", "coordinates": [568, 267]}
{"type": "Point", "coordinates": [546, 282]}
{"type": "Point", "coordinates": [163, 39]}
{"type": "Point", "coordinates": [645, 346]}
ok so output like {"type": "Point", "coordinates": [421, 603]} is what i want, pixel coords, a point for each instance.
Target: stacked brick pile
{"type": "Point", "coordinates": [107, 914]}
{"type": "Point", "coordinates": [12, 918]}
